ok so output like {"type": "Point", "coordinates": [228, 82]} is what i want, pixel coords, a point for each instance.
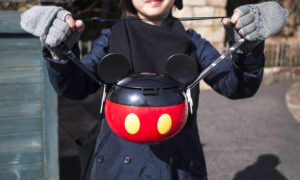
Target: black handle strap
{"type": "Point", "coordinates": [99, 19]}
{"type": "Point", "coordinates": [207, 70]}
{"type": "Point", "coordinates": [71, 56]}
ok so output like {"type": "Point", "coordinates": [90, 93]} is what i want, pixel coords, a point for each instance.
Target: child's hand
{"type": "Point", "coordinates": [234, 20]}
{"type": "Point", "coordinates": [71, 27]}
{"type": "Point", "coordinates": [52, 24]}
{"type": "Point", "coordinates": [64, 29]}
{"type": "Point", "coordinates": [256, 22]}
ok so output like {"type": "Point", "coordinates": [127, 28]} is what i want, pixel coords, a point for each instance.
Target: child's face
{"type": "Point", "coordinates": [153, 9]}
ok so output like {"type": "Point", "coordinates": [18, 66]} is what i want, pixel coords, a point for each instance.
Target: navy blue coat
{"type": "Point", "coordinates": [178, 158]}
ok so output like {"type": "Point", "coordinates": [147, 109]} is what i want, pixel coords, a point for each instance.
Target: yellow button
{"type": "Point", "coordinates": [164, 124]}
{"type": "Point", "coordinates": [132, 123]}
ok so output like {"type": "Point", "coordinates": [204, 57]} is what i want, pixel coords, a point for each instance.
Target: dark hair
{"type": "Point", "coordinates": [129, 11]}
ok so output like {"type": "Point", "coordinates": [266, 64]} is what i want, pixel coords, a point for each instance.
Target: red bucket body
{"type": "Point", "coordinates": [146, 109]}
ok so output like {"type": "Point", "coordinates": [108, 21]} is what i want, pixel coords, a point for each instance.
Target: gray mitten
{"type": "Point", "coordinates": [258, 22]}
{"type": "Point", "coordinates": [47, 22]}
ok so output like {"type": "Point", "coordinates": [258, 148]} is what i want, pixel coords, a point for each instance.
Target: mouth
{"type": "Point", "coordinates": [154, 2]}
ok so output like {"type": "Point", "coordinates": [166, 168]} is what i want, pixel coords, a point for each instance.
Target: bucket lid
{"type": "Point", "coordinates": [148, 80]}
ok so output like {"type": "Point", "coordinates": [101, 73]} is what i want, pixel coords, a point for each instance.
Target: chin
{"type": "Point", "coordinates": [155, 14]}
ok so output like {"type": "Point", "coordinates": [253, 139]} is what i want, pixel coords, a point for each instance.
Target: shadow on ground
{"type": "Point", "coordinates": [264, 168]}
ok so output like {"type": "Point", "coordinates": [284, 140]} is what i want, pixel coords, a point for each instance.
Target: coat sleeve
{"type": "Point", "coordinates": [67, 79]}
{"type": "Point", "coordinates": [239, 77]}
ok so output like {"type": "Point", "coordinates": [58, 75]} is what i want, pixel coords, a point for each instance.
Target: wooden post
{"type": "Point", "coordinates": [28, 106]}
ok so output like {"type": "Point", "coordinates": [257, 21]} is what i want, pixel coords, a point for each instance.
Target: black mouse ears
{"type": "Point", "coordinates": [180, 67]}
{"type": "Point", "coordinates": [113, 67]}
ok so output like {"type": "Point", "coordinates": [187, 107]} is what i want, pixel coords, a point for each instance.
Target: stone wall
{"type": "Point", "coordinates": [211, 30]}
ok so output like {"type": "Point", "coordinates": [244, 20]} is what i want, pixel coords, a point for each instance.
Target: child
{"type": "Point", "coordinates": [148, 44]}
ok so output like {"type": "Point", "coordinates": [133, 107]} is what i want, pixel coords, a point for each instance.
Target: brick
{"type": "Point", "coordinates": [203, 11]}
{"type": "Point", "coordinates": [204, 23]}
{"type": "Point", "coordinates": [220, 12]}
{"type": "Point", "coordinates": [194, 2]}
{"type": "Point", "coordinates": [217, 3]}
{"type": "Point", "coordinates": [212, 33]}
{"type": "Point", "coordinates": [185, 12]}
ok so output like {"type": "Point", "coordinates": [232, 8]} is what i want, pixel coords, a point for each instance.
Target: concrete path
{"type": "Point", "coordinates": [250, 139]}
